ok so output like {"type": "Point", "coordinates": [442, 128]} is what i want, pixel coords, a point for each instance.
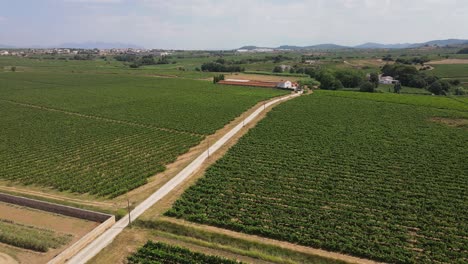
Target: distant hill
{"type": "Point", "coordinates": [6, 47]}
{"type": "Point", "coordinates": [99, 45]}
{"type": "Point", "coordinates": [441, 43]}
{"type": "Point", "coordinates": [370, 45]}
{"type": "Point", "coordinates": [326, 47]}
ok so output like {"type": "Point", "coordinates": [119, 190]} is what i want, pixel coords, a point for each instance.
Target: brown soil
{"type": "Point", "coordinates": [32, 217]}
{"type": "Point", "coordinates": [449, 61]}
{"type": "Point", "coordinates": [259, 77]}
{"type": "Point", "coordinates": [6, 259]}
{"type": "Point", "coordinates": [451, 122]}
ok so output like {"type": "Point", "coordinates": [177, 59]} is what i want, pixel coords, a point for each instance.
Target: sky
{"type": "Point", "coordinates": [229, 24]}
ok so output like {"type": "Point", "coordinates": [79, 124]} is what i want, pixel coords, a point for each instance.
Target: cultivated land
{"type": "Point", "coordinates": [105, 135]}
{"type": "Point", "coordinates": [110, 128]}
{"type": "Point", "coordinates": [162, 253]}
{"type": "Point", "coordinates": [375, 176]}
{"type": "Point", "coordinates": [30, 235]}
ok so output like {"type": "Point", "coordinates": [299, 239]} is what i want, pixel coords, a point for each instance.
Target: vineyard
{"type": "Point", "coordinates": [159, 253]}
{"type": "Point", "coordinates": [369, 176]}
{"type": "Point", "coordinates": [106, 135]}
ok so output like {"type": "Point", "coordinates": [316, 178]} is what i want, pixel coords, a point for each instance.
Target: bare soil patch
{"type": "Point", "coordinates": [452, 122]}
{"type": "Point", "coordinates": [263, 78]}
{"type": "Point", "coordinates": [6, 259]}
{"type": "Point", "coordinates": [450, 61]}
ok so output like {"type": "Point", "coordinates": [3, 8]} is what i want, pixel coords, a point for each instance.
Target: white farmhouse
{"type": "Point", "coordinates": [386, 80]}
{"type": "Point", "coordinates": [4, 53]}
{"type": "Point", "coordinates": [286, 85]}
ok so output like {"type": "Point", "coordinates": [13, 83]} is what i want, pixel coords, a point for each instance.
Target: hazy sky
{"type": "Point", "coordinates": [226, 24]}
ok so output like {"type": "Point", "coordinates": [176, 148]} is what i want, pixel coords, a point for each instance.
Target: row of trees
{"type": "Point", "coordinates": [219, 67]}
{"type": "Point", "coordinates": [137, 61]}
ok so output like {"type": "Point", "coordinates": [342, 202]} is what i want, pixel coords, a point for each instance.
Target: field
{"type": "Point", "coordinates": [374, 175]}
{"type": "Point", "coordinates": [33, 236]}
{"type": "Point", "coordinates": [161, 253]}
{"type": "Point", "coordinates": [451, 70]}
{"type": "Point", "coordinates": [105, 134]}
{"type": "Point", "coordinates": [29, 237]}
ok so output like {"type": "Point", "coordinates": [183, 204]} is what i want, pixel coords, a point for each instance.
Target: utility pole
{"type": "Point", "coordinates": [208, 146]}
{"type": "Point", "coordinates": [129, 216]}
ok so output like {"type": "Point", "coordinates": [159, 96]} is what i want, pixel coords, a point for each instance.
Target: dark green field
{"type": "Point", "coordinates": [106, 134]}
{"type": "Point", "coordinates": [372, 175]}
{"type": "Point", "coordinates": [159, 253]}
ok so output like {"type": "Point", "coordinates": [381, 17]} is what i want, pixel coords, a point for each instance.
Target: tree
{"type": "Point", "coordinates": [329, 82]}
{"type": "Point", "coordinates": [218, 78]}
{"type": "Point", "coordinates": [397, 88]}
{"type": "Point", "coordinates": [463, 51]}
{"type": "Point", "coordinates": [13, 68]}
{"type": "Point", "coordinates": [439, 87]}
{"type": "Point", "coordinates": [367, 87]}
{"type": "Point", "coordinates": [349, 78]}
{"type": "Point", "coordinates": [374, 78]}
{"type": "Point", "coordinates": [278, 69]}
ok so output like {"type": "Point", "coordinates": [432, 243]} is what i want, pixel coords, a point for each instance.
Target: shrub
{"type": "Point", "coordinates": [367, 87]}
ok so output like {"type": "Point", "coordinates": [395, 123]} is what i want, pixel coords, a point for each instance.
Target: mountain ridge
{"type": "Point", "coordinates": [368, 45]}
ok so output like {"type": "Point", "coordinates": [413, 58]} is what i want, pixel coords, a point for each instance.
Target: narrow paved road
{"type": "Point", "coordinates": [107, 237]}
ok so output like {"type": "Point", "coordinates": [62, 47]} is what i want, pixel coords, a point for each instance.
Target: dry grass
{"type": "Point", "coordinates": [450, 61]}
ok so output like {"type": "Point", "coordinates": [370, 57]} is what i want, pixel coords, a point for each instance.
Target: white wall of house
{"type": "Point", "coordinates": [285, 85]}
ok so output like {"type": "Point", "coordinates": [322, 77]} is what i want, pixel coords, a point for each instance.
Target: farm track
{"type": "Point", "coordinates": [103, 118]}
{"type": "Point", "coordinates": [105, 239]}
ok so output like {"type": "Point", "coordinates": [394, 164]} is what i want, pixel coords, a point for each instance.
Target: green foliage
{"type": "Point", "coordinates": [349, 78]}
{"type": "Point", "coordinates": [277, 69]}
{"type": "Point", "coordinates": [463, 51]}
{"type": "Point", "coordinates": [13, 68]}
{"type": "Point", "coordinates": [367, 87]}
{"type": "Point", "coordinates": [29, 237]}
{"type": "Point", "coordinates": [218, 78]}
{"type": "Point", "coordinates": [328, 81]}
{"type": "Point", "coordinates": [218, 67]}
{"type": "Point", "coordinates": [162, 253]}
{"type": "Point", "coordinates": [374, 78]}
{"type": "Point", "coordinates": [439, 87]}
{"type": "Point", "coordinates": [103, 134]}
{"type": "Point", "coordinates": [372, 179]}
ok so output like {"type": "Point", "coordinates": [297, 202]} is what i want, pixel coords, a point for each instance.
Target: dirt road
{"type": "Point", "coordinates": [105, 239]}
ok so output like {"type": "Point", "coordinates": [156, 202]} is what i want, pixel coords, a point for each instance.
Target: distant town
{"type": "Point", "coordinates": [70, 51]}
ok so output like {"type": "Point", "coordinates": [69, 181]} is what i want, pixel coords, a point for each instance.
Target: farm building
{"type": "Point", "coordinates": [4, 53]}
{"type": "Point", "coordinates": [386, 80]}
{"type": "Point", "coordinates": [265, 84]}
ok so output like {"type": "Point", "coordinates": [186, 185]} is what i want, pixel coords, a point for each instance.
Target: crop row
{"type": "Point", "coordinates": [372, 179]}
{"type": "Point", "coordinates": [156, 253]}
{"type": "Point", "coordinates": [29, 237]}
{"type": "Point", "coordinates": [82, 155]}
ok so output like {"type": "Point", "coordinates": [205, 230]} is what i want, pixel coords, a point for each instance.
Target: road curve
{"type": "Point", "coordinates": [107, 237]}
